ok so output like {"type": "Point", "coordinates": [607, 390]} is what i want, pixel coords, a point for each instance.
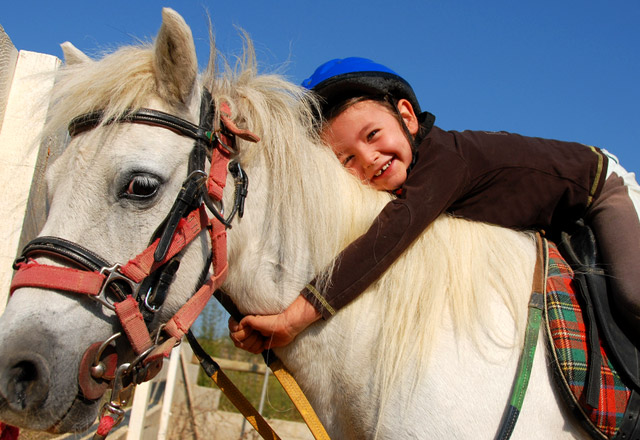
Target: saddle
{"type": "Point", "coordinates": [597, 361]}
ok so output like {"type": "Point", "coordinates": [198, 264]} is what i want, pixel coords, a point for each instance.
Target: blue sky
{"type": "Point", "coordinates": [563, 69]}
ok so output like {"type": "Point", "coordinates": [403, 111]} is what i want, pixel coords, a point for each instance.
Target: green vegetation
{"type": "Point", "coordinates": [212, 335]}
{"type": "Point", "coordinates": [277, 403]}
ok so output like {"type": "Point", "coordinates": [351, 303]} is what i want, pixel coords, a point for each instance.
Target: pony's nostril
{"type": "Point", "coordinates": [26, 384]}
{"type": "Point", "coordinates": [23, 378]}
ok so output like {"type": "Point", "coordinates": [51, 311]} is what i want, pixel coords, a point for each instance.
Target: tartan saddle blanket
{"type": "Point", "coordinates": [603, 399]}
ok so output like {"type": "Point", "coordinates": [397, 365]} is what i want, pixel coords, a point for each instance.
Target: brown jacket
{"type": "Point", "coordinates": [496, 177]}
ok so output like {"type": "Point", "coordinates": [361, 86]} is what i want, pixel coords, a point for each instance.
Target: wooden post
{"type": "Point", "coordinates": [172, 372]}
{"type": "Point", "coordinates": [190, 400]}
{"type": "Point", "coordinates": [139, 411]}
{"type": "Point", "coordinates": [25, 112]}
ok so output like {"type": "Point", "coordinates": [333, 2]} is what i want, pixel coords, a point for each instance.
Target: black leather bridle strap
{"type": "Point", "coordinates": [142, 116]}
{"type": "Point", "coordinates": [59, 247]}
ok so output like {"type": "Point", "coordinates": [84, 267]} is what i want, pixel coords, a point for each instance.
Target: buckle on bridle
{"type": "Point", "coordinates": [114, 279]}
{"type": "Point", "coordinates": [217, 138]}
{"type": "Point", "coordinates": [120, 395]}
{"type": "Point", "coordinates": [240, 194]}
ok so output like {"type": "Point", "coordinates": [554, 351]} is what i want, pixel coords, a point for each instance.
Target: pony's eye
{"type": "Point", "coordinates": [141, 186]}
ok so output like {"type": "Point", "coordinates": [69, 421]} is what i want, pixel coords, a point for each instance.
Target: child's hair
{"type": "Point", "coordinates": [387, 101]}
{"type": "Point", "coordinates": [384, 100]}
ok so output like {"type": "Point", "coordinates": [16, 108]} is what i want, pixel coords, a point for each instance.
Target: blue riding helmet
{"type": "Point", "coordinates": [341, 79]}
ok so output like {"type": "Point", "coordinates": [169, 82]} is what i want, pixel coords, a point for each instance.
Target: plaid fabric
{"type": "Point", "coordinates": [568, 340]}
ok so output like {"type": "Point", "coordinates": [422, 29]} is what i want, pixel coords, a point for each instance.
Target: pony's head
{"type": "Point", "coordinates": [109, 192]}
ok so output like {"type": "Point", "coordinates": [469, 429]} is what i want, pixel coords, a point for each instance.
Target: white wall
{"type": "Point", "coordinates": [26, 81]}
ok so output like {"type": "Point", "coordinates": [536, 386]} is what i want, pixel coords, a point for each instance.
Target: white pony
{"type": "Point", "coordinates": [428, 351]}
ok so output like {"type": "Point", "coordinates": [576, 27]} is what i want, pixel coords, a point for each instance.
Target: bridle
{"type": "Point", "coordinates": [136, 290]}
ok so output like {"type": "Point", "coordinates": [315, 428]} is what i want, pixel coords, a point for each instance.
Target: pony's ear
{"type": "Point", "coordinates": [175, 58]}
{"type": "Point", "coordinates": [73, 55]}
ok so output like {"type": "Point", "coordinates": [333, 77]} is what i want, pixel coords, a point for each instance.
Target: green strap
{"type": "Point", "coordinates": [525, 363]}
{"type": "Point", "coordinates": [529, 350]}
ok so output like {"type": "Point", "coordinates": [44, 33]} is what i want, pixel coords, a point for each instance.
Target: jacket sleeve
{"type": "Point", "coordinates": [437, 180]}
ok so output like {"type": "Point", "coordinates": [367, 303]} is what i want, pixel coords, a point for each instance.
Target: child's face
{"type": "Point", "coordinates": [369, 141]}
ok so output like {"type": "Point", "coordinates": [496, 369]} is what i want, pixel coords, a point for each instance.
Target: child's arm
{"type": "Point", "coordinates": [256, 333]}
{"type": "Point", "coordinates": [438, 179]}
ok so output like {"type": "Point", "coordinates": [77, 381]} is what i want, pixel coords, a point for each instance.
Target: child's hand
{"type": "Point", "coordinates": [256, 333]}
{"type": "Point", "coordinates": [246, 338]}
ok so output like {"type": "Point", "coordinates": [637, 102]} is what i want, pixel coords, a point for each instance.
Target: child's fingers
{"type": "Point", "coordinates": [242, 334]}
{"type": "Point", "coordinates": [248, 340]}
{"type": "Point", "coordinates": [234, 326]}
{"type": "Point", "coordinates": [256, 345]}
{"type": "Point", "coordinates": [266, 325]}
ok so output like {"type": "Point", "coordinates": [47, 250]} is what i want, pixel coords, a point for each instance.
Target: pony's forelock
{"type": "Point", "coordinates": [118, 82]}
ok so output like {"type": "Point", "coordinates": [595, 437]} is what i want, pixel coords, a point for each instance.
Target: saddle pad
{"type": "Point", "coordinates": [568, 342]}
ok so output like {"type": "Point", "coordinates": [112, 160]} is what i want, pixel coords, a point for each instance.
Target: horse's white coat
{"type": "Point", "coordinates": [429, 351]}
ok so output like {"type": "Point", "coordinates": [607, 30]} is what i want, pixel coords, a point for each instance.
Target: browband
{"type": "Point", "coordinates": [91, 120]}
